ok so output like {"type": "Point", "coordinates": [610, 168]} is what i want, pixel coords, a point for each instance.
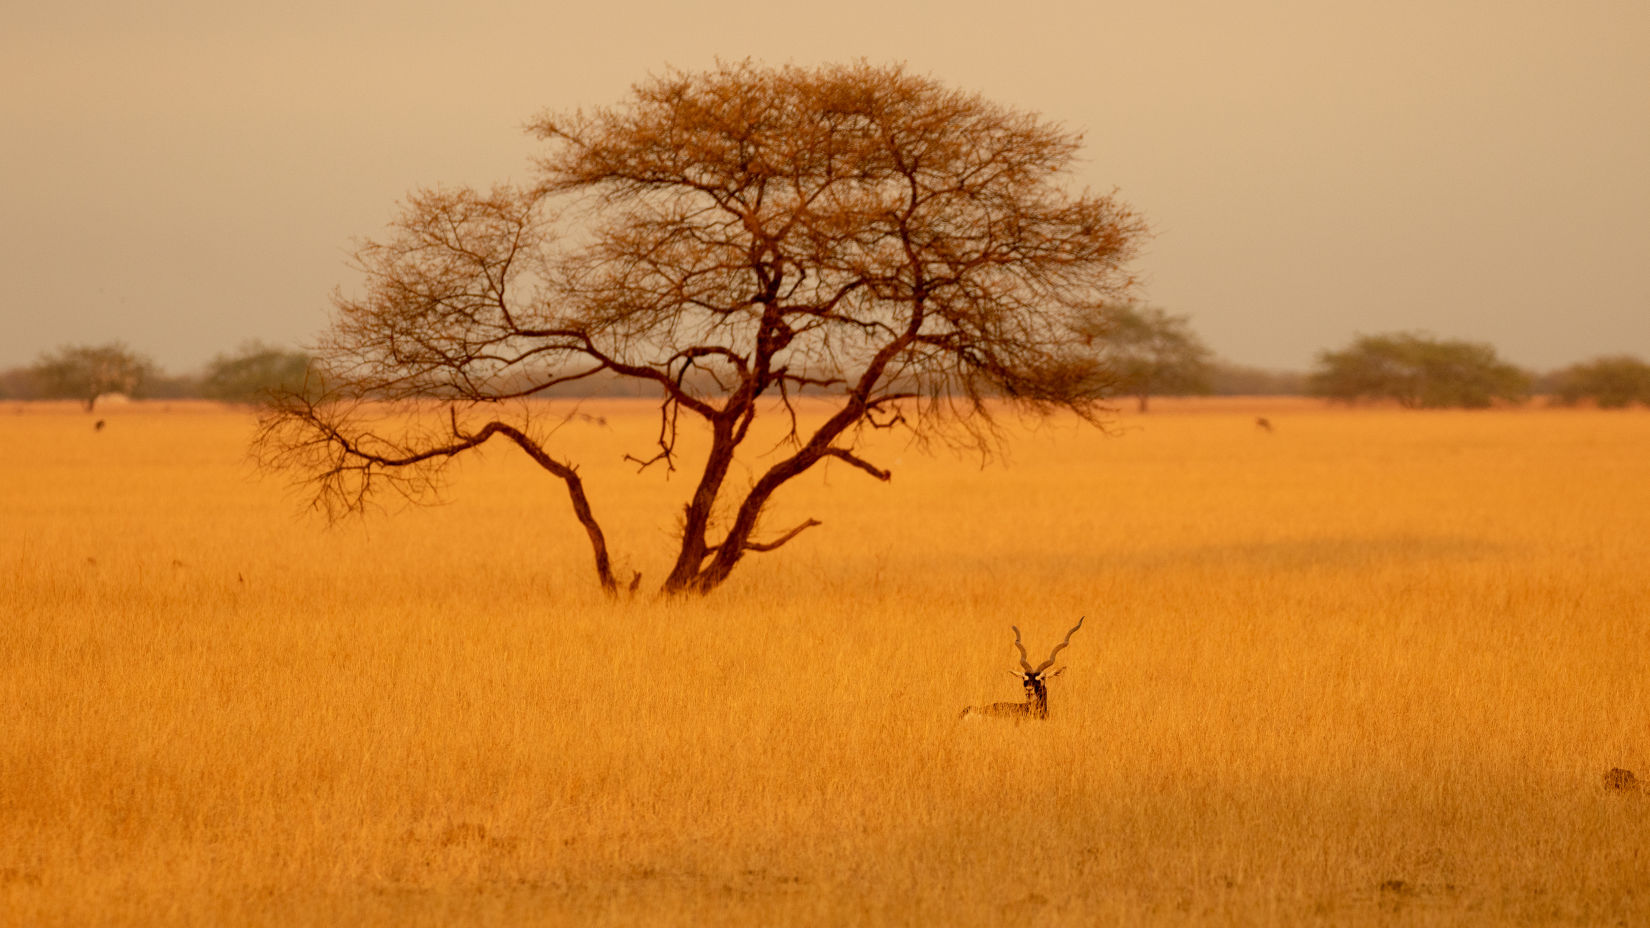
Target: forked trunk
{"type": "Point", "coordinates": [702, 567]}
{"type": "Point", "coordinates": [696, 515]}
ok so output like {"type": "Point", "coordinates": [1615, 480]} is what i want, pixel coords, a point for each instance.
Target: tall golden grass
{"type": "Point", "coordinates": [1366, 669]}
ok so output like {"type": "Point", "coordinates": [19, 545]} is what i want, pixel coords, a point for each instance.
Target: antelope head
{"type": "Point", "coordinates": [1035, 679]}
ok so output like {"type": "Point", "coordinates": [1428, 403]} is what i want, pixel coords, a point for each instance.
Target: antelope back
{"type": "Point", "coordinates": [1034, 707]}
{"type": "Point", "coordinates": [1015, 711]}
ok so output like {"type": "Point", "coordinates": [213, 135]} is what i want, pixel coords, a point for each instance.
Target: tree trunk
{"type": "Point", "coordinates": [702, 580]}
{"type": "Point", "coordinates": [696, 517]}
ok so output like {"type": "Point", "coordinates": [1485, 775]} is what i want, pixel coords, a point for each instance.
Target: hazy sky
{"type": "Point", "coordinates": [189, 175]}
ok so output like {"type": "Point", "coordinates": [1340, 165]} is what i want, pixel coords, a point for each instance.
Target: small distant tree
{"type": "Point", "coordinates": [1418, 372]}
{"type": "Point", "coordinates": [912, 255]}
{"type": "Point", "coordinates": [1611, 382]}
{"type": "Point", "coordinates": [1149, 351]}
{"type": "Point", "coordinates": [254, 373]}
{"type": "Point", "coordinates": [87, 372]}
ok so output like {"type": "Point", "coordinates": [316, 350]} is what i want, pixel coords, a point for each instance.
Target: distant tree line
{"type": "Point", "coordinates": [1149, 352]}
{"type": "Point", "coordinates": [1422, 372]}
{"type": "Point", "coordinates": [87, 372]}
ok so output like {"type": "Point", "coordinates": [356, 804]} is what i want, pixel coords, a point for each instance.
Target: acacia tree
{"type": "Point", "coordinates": [1418, 371]}
{"type": "Point", "coordinates": [1613, 382]}
{"type": "Point", "coordinates": [731, 238]}
{"type": "Point", "coordinates": [86, 372]}
{"type": "Point", "coordinates": [254, 372]}
{"type": "Point", "coordinates": [1149, 350]}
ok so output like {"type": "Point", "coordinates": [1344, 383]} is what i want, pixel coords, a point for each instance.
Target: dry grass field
{"type": "Point", "coordinates": [1366, 669]}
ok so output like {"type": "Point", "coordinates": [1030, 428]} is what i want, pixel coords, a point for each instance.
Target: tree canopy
{"type": "Point", "coordinates": [86, 372]}
{"type": "Point", "coordinates": [1611, 382]}
{"type": "Point", "coordinates": [1418, 371]}
{"type": "Point", "coordinates": [255, 372]}
{"type": "Point", "coordinates": [1149, 351]}
{"type": "Point", "coordinates": [917, 254]}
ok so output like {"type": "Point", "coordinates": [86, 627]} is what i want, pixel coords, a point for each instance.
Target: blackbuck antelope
{"type": "Point", "coordinates": [1036, 684]}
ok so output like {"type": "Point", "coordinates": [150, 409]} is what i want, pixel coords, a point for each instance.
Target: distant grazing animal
{"type": "Point", "coordinates": [1623, 780]}
{"type": "Point", "coordinates": [1264, 424]}
{"type": "Point", "coordinates": [1036, 684]}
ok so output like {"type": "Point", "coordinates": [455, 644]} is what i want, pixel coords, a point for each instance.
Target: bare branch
{"type": "Point", "coordinates": [668, 430]}
{"type": "Point", "coordinates": [869, 468]}
{"type": "Point", "coordinates": [761, 546]}
{"type": "Point", "coordinates": [345, 469]}
{"type": "Point", "coordinates": [774, 545]}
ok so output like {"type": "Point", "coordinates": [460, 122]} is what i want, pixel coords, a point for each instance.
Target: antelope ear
{"type": "Point", "coordinates": [1056, 673]}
